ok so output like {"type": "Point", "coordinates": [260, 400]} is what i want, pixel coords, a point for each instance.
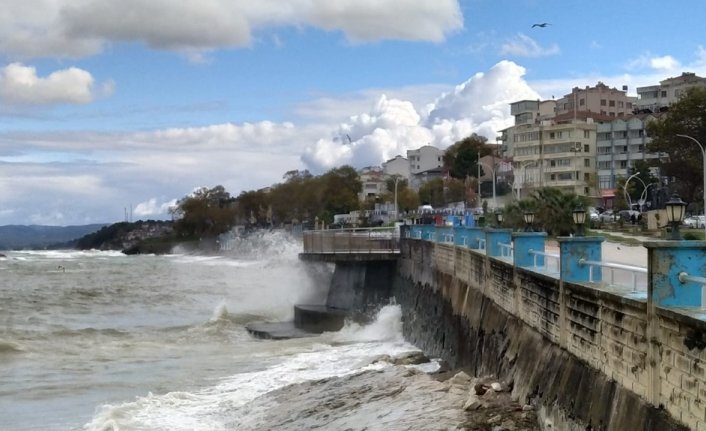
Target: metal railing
{"type": "Point", "coordinates": [554, 257]}
{"type": "Point", "coordinates": [632, 270]}
{"type": "Point", "coordinates": [506, 250]}
{"type": "Point", "coordinates": [481, 244]}
{"type": "Point", "coordinates": [686, 278]}
{"type": "Point", "coordinates": [363, 240]}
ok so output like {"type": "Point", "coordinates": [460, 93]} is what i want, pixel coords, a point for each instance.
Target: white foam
{"type": "Point", "coordinates": [208, 409]}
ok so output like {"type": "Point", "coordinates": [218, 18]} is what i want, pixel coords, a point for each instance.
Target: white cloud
{"type": "Point", "coordinates": [67, 28]}
{"type": "Point", "coordinates": [20, 85]}
{"type": "Point", "coordinates": [393, 126]}
{"type": "Point", "coordinates": [524, 46]}
{"type": "Point", "coordinates": [153, 208]}
{"type": "Point", "coordinates": [666, 62]}
{"type": "Point", "coordinates": [646, 60]}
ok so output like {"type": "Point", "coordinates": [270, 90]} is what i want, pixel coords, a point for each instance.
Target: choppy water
{"type": "Point", "coordinates": [103, 341]}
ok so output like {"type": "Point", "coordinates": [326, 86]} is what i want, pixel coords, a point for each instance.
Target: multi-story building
{"type": "Point", "coordinates": [425, 163]}
{"type": "Point", "coordinates": [372, 181]}
{"type": "Point", "coordinates": [551, 150]}
{"type": "Point", "coordinates": [620, 143]}
{"type": "Point", "coordinates": [398, 166]}
{"type": "Point", "coordinates": [657, 98]}
{"type": "Point", "coordinates": [600, 99]}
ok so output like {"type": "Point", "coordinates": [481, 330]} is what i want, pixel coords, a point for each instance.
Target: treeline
{"type": "Point", "coordinates": [302, 197]}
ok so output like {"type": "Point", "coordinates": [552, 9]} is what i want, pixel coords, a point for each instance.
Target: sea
{"type": "Point", "coordinates": [96, 340]}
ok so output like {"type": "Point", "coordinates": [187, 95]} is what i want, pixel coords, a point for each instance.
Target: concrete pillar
{"type": "Point", "coordinates": [523, 242]}
{"type": "Point", "coordinates": [495, 236]}
{"type": "Point", "coordinates": [572, 250]}
{"type": "Point", "coordinates": [665, 261]}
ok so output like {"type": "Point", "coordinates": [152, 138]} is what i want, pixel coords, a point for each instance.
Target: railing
{"type": "Point", "coordinates": [613, 267]}
{"type": "Point", "coordinates": [536, 254]}
{"type": "Point", "coordinates": [686, 278]}
{"type": "Point", "coordinates": [367, 240]}
{"type": "Point", "coordinates": [506, 250]}
{"type": "Point", "coordinates": [481, 244]}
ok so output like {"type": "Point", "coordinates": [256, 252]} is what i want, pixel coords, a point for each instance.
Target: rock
{"type": "Point", "coordinates": [444, 366]}
{"type": "Point", "coordinates": [410, 358]}
{"type": "Point", "coordinates": [460, 379]}
{"type": "Point", "coordinates": [472, 403]}
{"type": "Point", "coordinates": [479, 389]}
{"type": "Point", "coordinates": [497, 387]}
{"type": "Point", "coordinates": [527, 408]}
{"type": "Point", "coordinates": [382, 358]}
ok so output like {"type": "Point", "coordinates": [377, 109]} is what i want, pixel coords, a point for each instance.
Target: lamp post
{"type": "Point", "coordinates": [476, 219]}
{"type": "Point", "coordinates": [397, 179]}
{"type": "Point", "coordinates": [675, 214]}
{"type": "Point", "coordinates": [523, 169]}
{"type": "Point", "coordinates": [529, 219]}
{"type": "Point", "coordinates": [703, 153]}
{"type": "Point", "coordinates": [494, 180]}
{"type": "Point", "coordinates": [625, 189]}
{"type": "Point", "coordinates": [579, 215]}
{"type": "Point", "coordinates": [499, 218]}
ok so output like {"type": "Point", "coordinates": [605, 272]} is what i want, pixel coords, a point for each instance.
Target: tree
{"type": "Point", "coordinates": [683, 159]}
{"type": "Point", "coordinates": [204, 212]}
{"type": "Point", "coordinates": [432, 193]}
{"type": "Point", "coordinates": [461, 159]}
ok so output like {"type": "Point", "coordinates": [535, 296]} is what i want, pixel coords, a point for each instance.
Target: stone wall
{"type": "Point", "coordinates": [583, 355]}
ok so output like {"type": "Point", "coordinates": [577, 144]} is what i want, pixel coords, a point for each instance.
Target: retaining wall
{"type": "Point", "coordinates": [591, 360]}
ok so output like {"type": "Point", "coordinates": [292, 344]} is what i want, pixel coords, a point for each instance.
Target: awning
{"type": "Point", "coordinates": [608, 193]}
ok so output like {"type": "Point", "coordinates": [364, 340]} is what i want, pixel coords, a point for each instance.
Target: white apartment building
{"type": "Point", "coordinates": [425, 158]}
{"type": "Point", "coordinates": [372, 181]}
{"type": "Point", "coordinates": [657, 98]}
{"type": "Point", "coordinates": [619, 144]}
{"type": "Point", "coordinates": [398, 166]}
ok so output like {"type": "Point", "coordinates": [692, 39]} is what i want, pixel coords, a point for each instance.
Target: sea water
{"type": "Point", "coordinates": [93, 340]}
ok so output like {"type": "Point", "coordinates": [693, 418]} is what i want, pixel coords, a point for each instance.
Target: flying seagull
{"type": "Point", "coordinates": [544, 24]}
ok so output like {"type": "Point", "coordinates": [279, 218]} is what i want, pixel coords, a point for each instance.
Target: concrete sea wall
{"type": "Point", "coordinates": [588, 359]}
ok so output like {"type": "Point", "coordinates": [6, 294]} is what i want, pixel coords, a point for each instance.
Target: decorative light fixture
{"type": "Point", "coordinates": [675, 214]}
{"type": "Point", "coordinates": [529, 219]}
{"type": "Point", "coordinates": [579, 215]}
{"type": "Point", "coordinates": [499, 218]}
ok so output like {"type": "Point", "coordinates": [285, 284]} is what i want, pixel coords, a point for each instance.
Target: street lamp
{"type": "Point", "coordinates": [579, 215]}
{"type": "Point", "coordinates": [625, 189]}
{"type": "Point", "coordinates": [499, 218]}
{"type": "Point", "coordinates": [476, 219]}
{"type": "Point", "coordinates": [397, 179]}
{"type": "Point", "coordinates": [494, 181]}
{"type": "Point", "coordinates": [703, 153]}
{"type": "Point", "coordinates": [529, 219]}
{"type": "Point", "coordinates": [675, 214]}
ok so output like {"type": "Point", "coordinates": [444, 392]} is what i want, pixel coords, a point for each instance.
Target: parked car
{"type": "Point", "coordinates": [606, 216]}
{"type": "Point", "coordinates": [695, 222]}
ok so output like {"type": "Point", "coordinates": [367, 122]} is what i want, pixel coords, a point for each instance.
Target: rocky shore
{"type": "Point", "coordinates": [391, 394]}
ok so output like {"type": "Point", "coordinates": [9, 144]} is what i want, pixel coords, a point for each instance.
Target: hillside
{"type": "Point", "coordinates": [13, 237]}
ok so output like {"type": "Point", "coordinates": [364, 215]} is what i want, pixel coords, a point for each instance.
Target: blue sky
{"type": "Point", "coordinates": [107, 105]}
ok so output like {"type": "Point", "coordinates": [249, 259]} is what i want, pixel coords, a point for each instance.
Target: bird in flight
{"type": "Point", "coordinates": [544, 24]}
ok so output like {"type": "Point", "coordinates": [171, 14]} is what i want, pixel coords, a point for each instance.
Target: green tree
{"type": "Point", "coordinates": [683, 159]}
{"type": "Point", "coordinates": [461, 158]}
{"type": "Point", "coordinates": [432, 193]}
{"type": "Point", "coordinates": [204, 212]}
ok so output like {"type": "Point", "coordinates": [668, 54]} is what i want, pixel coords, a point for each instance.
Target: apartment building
{"type": "Point", "coordinates": [398, 166]}
{"type": "Point", "coordinates": [599, 99]}
{"type": "Point", "coordinates": [657, 98]}
{"type": "Point", "coordinates": [424, 159]}
{"type": "Point", "coordinates": [372, 180]}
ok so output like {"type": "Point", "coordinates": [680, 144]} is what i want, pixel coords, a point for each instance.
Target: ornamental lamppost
{"type": "Point", "coordinates": [675, 215]}
{"type": "Point", "coordinates": [499, 218]}
{"type": "Point", "coordinates": [579, 215]}
{"type": "Point", "coordinates": [529, 219]}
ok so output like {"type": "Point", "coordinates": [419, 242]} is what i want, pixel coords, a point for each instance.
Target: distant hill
{"type": "Point", "coordinates": [13, 237]}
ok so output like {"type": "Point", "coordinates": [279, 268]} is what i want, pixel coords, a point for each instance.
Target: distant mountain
{"type": "Point", "coordinates": [14, 237]}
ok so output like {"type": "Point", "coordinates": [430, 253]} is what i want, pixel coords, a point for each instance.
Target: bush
{"type": "Point", "coordinates": [690, 236]}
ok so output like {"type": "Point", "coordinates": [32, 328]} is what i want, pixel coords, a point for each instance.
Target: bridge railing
{"type": "Point", "coordinates": [637, 274]}
{"type": "Point", "coordinates": [359, 240]}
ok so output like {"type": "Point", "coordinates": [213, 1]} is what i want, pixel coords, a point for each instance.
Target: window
{"type": "Point", "coordinates": [565, 176]}
{"type": "Point", "coordinates": [587, 134]}
{"type": "Point", "coordinates": [603, 102]}
{"type": "Point", "coordinates": [585, 191]}
{"type": "Point", "coordinates": [611, 103]}
{"type": "Point", "coordinates": [664, 93]}
{"type": "Point", "coordinates": [628, 105]}
{"type": "Point", "coordinates": [586, 176]}
{"type": "Point", "coordinates": [552, 135]}
{"type": "Point", "coordinates": [587, 148]}
{"type": "Point", "coordinates": [582, 102]}
{"type": "Point", "coordinates": [620, 104]}
{"type": "Point", "coordinates": [623, 164]}
{"type": "Point", "coordinates": [587, 163]}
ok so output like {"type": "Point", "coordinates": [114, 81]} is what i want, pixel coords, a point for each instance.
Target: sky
{"type": "Point", "coordinates": [110, 108]}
